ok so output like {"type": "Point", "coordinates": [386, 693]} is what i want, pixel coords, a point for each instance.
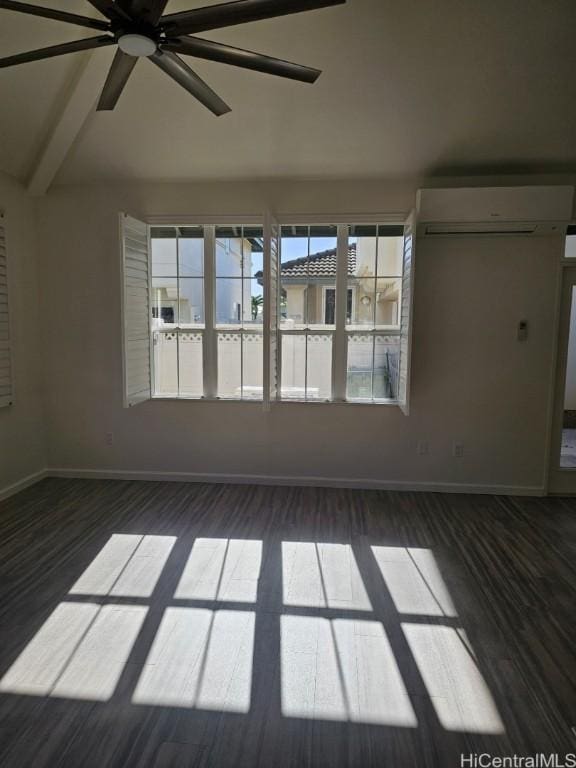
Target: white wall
{"type": "Point", "coordinates": [472, 381]}
{"type": "Point", "coordinates": [21, 424]}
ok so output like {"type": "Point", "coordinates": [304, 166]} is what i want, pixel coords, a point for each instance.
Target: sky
{"type": "Point", "coordinates": [295, 247]}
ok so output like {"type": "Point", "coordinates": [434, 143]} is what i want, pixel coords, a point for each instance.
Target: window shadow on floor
{"type": "Point", "coordinates": [202, 625]}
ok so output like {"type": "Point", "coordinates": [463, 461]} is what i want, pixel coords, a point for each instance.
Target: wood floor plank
{"type": "Point", "coordinates": [173, 624]}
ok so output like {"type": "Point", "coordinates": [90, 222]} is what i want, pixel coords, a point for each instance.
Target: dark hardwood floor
{"type": "Point", "coordinates": [169, 624]}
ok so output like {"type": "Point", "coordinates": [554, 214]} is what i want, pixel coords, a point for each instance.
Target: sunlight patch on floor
{"type": "Point", "coordinates": [454, 683]}
{"type": "Point", "coordinates": [319, 575]}
{"type": "Point", "coordinates": [341, 670]}
{"type": "Point", "coordinates": [222, 569]}
{"type": "Point", "coordinates": [127, 566]}
{"type": "Point", "coordinates": [79, 652]}
{"type": "Point", "coordinates": [414, 581]}
{"type": "Point", "coordinates": [200, 659]}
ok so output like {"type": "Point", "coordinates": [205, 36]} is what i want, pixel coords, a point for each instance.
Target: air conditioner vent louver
{"type": "Point", "coordinates": [481, 228]}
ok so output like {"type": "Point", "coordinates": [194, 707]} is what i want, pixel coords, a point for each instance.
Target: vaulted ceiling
{"type": "Point", "coordinates": [408, 89]}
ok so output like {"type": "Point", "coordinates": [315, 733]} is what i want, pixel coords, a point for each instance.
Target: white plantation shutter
{"type": "Point", "coordinates": [406, 313]}
{"type": "Point", "coordinates": [271, 298]}
{"type": "Point", "coordinates": [6, 379]}
{"type": "Point", "coordinates": [135, 310]}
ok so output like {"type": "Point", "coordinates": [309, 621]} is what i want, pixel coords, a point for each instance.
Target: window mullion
{"type": "Point", "coordinates": [210, 340]}
{"type": "Point", "coordinates": [178, 308]}
{"type": "Point", "coordinates": [339, 345]}
{"type": "Point", "coordinates": [306, 332]}
{"type": "Point", "coordinates": [242, 312]}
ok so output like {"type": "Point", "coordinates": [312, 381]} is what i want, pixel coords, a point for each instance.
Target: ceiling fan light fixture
{"type": "Point", "coordinates": [137, 45]}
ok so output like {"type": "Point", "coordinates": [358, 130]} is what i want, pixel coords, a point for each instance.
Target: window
{"type": "Point", "coordinates": [177, 309]}
{"type": "Point", "coordinates": [375, 263]}
{"type": "Point", "coordinates": [307, 264]}
{"type": "Point", "coordinates": [570, 245]}
{"type": "Point", "coordinates": [184, 333]}
{"type": "Point", "coordinates": [296, 312]}
{"type": "Point", "coordinates": [239, 298]}
{"type": "Point", "coordinates": [353, 356]}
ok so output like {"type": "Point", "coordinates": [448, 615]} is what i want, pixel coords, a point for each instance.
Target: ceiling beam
{"type": "Point", "coordinates": [77, 105]}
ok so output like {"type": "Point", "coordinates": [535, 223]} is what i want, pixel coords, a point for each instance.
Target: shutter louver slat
{"type": "Point", "coordinates": [406, 306]}
{"type": "Point", "coordinates": [6, 380]}
{"type": "Point", "coordinates": [135, 311]}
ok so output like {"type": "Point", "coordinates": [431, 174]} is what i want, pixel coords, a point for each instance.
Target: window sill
{"type": "Point", "coordinates": [274, 403]}
{"type": "Point", "coordinates": [176, 398]}
{"type": "Point", "coordinates": [336, 402]}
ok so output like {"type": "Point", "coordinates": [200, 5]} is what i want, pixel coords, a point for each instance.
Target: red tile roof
{"type": "Point", "coordinates": [317, 265]}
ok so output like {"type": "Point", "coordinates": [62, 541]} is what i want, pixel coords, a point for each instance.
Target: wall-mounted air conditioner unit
{"type": "Point", "coordinates": [489, 211]}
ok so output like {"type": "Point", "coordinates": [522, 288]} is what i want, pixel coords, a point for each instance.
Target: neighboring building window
{"type": "Point", "coordinates": [330, 305]}
{"type": "Point", "coordinates": [194, 268]}
{"type": "Point", "coordinates": [166, 313]}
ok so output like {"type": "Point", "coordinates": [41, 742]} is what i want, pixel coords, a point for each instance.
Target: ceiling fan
{"type": "Point", "coordinates": [141, 29]}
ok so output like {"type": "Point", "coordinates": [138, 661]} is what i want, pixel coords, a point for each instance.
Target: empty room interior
{"type": "Point", "coordinates": [287, 384]}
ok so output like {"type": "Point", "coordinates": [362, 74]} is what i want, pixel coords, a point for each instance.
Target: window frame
{"type": "Point", "coordinates": [210, 330]}
{"type": "Point", "coordinates": [339, 333]}
{"type": "Point", "coordinates": [274, 355]}
{"type": "Point", "coordinates": [176, 329]}
{"type": "Point", "coordinates": [568, 261]}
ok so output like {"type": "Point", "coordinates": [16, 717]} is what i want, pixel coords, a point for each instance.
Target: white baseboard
{"type": "Point", "coordinates": [319, 482]}
{"type": "Point", "coordinates": [10, 490]}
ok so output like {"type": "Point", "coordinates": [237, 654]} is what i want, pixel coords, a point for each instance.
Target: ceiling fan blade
{"type": "Point", "coordinates": [206, 49]}
{"type": "Point", "coordinates": [156, 9]}
{"type": "Point", "coordinates": [110, 9]}
{"type": "Point", "coordinates": [148, 11]}
{"type": "Point", "coordinates": [237, 12]}
{"type": "Point", "coordinates": [49, 13]}
{"type": "Point", "coordinates": [120, 71]}
{"type": "Point", "coordinates": [57, 50]}
{"type": "Point", "coordinates": [188, 79]}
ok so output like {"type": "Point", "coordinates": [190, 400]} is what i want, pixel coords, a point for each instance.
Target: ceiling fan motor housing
{"type": "Point", "coordinates": [137, 45]}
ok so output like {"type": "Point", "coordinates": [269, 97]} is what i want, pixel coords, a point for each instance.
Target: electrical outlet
{"type": "Point", "coordinates": [458, 450]}
{"type": "Point", "coordinates": [422, 448]}
{"type": "Point", "coordinates": [522, 332]}
{"type": "Point", "coordinates": [109, 438]}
